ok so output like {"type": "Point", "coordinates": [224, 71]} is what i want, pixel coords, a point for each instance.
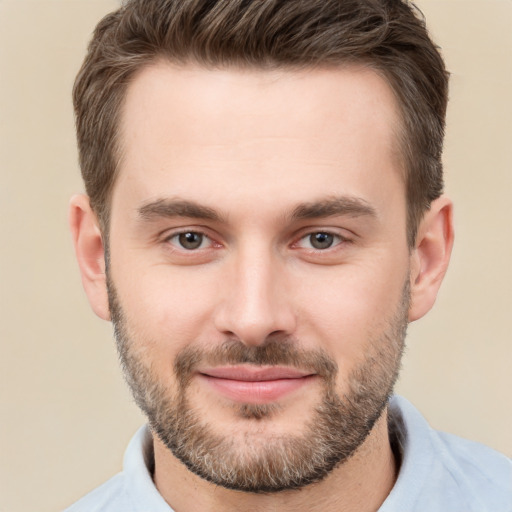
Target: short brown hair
{"type": "Point", "coordinates": [388, 35]}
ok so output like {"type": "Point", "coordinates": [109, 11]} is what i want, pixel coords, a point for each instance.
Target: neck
{"type": "Point", "coordinates": [360, 484]}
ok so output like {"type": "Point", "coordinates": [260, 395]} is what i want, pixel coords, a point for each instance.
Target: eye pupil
{"type": "Point", "coordinates": [321, 240]}
{"type": "Point", "coordinates": [190, 240]}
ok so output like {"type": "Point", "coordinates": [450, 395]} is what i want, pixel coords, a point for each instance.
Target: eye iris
{"type": "Point", "coordinates": [321, 240]}
{"type": "Point", "coordinates": [190, 240]}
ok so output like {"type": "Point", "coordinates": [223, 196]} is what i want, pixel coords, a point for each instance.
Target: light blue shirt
{"type": "Point", "coordinates": [439, 473]}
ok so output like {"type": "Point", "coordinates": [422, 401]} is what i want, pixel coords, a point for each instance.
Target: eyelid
{"type": "Point", "coordinates": [167, 235]}
{"type": "Point", "coordinates": [342, 236]}
{"type": "Point", "coordinates": [305, 233]}
{"type": "Point", "coordinates": [205, 241]}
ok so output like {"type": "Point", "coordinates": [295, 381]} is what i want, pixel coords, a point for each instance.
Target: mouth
{"type": "Point", "coordinates": [255, 384]}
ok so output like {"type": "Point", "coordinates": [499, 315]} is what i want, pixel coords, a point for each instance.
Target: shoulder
{"type": "Point", "coordinates": [444, 472]}
{"type": "Point", "coordinates": [109, 497]}
{"type": "Point", "coordinates": [480, 471]}
{"type": "Point", "coordinates": [133, 489]}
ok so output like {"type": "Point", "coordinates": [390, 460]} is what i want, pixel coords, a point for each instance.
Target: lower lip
{"type": "Point", "coordinates": [256, 392]}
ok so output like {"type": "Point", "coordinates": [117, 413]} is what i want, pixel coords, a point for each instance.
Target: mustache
{"type": "Point", "coordinates": [276, 350]}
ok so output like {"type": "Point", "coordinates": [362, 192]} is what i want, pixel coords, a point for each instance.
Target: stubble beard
{"type": "Point", "coordinates": [257, 461]}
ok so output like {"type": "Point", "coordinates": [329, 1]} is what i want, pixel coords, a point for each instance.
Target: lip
{"type": "Point", "coordinates": [255, 384]}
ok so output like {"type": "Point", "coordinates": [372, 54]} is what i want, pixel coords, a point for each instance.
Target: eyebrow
{"type": "Point", "coordinates": [332, 206]}
{"type": "Point", "coordinates": [329, 207]}
{"type": "Point", "coordinates": [162, 208]}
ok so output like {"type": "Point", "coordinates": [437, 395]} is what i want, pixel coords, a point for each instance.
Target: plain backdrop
{"type": "Point", "coordinates": [65, 415]}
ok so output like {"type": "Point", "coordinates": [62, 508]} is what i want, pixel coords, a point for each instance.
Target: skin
{"type": "Point", "coordinates": [253, 146]}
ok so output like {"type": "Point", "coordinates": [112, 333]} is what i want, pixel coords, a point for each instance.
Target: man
{"type": "Point", "coordinates": [264, 216]}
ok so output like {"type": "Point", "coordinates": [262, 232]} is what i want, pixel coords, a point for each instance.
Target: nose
{"type": "Point", "coordinates": [254, 299]}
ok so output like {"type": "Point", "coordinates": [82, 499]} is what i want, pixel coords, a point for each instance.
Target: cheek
{"type": "Point", "coordinates": [352, 312]}
{"type": "Point", "coordinates": [166, 309]}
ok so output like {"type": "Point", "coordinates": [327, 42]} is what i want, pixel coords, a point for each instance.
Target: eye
{"type": "Point", "coordinates": [190, 240]}
{"type": "Point", "coordinates": [320, 240]}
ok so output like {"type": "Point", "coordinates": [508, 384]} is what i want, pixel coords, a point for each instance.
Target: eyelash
{"type": "Point", "coordinates": [337, 240]}
{"type": "Point", "coordinates": [179, 246]}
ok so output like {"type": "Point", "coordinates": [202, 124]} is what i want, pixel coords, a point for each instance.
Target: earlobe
{"type": "Point", "coordinates": [90, 254]}
{"type": "Point", "coordinates": [431, 255]}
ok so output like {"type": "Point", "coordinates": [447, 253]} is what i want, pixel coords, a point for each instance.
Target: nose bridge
{"type": "Point", "coordinates": [255, 304]}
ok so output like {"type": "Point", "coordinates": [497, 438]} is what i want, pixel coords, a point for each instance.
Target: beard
{"type": "Point", "coordinates": [254, 460]}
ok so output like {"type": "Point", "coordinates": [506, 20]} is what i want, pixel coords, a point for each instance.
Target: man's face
{"type": "Point", "coordinates": [258, 271]}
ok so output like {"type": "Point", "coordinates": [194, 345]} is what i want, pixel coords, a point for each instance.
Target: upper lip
{"type": "Point", "coordinates": [254, 373]}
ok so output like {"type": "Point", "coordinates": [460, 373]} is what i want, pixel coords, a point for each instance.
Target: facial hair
{"type": "Point", "coordinates": [260, 462]}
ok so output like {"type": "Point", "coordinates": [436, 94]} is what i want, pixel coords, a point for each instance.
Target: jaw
{"type": "Point", "coordinates": [365, 478]}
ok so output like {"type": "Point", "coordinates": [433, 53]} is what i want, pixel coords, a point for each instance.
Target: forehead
{"type": "Point", "coordinates": [185, 126]}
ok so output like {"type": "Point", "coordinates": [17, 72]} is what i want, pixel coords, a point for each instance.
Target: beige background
{"type": "Point", "coordinates": [65, 416]}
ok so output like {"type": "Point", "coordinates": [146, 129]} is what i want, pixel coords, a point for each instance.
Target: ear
{"type": "Point", "coordinates": [431, 255]}
{"type": "Point", "coordinates": [90, 253]}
